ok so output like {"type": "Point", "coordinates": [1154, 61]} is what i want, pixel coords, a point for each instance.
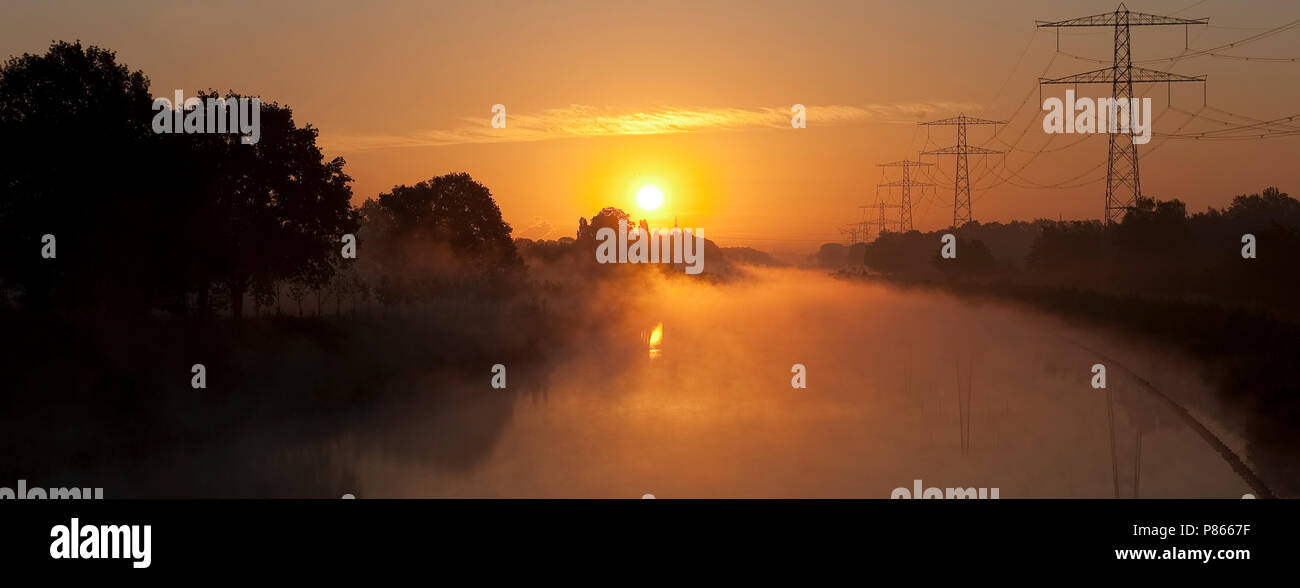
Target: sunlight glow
{"type": "Point", "coordinates": [650, 198]}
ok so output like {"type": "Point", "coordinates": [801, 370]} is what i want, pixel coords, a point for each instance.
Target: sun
{"type": "Point", "coordinates": [650, 198]}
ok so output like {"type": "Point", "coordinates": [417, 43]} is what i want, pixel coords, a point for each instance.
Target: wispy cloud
{"type": "Point", "coordinates": [589, 121]}
{"type": "Point", "coordinates": [538, 228]}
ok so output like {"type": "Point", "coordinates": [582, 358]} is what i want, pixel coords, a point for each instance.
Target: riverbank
{"type": "Point", "coordinates": [1252, 358]}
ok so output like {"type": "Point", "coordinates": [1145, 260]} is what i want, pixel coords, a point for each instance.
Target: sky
{"type": "Point", "coordinates": [695, 97]}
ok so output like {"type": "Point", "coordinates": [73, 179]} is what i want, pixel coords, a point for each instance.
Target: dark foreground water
{"type": "Point", "coordinates": [895, 381]}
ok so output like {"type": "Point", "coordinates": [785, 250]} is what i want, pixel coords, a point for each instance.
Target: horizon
{"type": "Point", "coordinates": [701, 110]}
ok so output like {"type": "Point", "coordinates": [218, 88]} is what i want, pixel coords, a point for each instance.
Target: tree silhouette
{"type": "Point", "coordinates": [80, 162]}
{"type": "Point", "coordinates": [446, 226]}
{"type": "Point", "coordinates": [274, 210]}
{"type": "Point", "coordinates": [143, 219]}
{"type": "Point", "coordinates": [607, 218]}
{"type": "Point", "coordinates": [297, 293]}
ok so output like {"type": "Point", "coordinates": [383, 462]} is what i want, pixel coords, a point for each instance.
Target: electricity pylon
{"type": "Point", "coordinates": [880, 220]}
{"type": "Point", "coordinates": [905, 205]}
{"type": "Point", "coordinates": [881, 223]}
{"type": "Point", "coordinates": [855, 232]}
{"type": "Point", "coordinates": [961, 210]}
{"type": "Point", "coordinates": [1123, 186]}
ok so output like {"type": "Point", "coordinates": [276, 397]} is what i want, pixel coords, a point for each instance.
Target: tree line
{"type": "Point", "coordinates": [1158, 250]}
{"type": "Point", "coordinates": [198, 223]}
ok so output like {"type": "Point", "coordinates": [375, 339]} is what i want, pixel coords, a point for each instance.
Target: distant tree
{"type": "Point", "coordinates": [448, 223]}
{"type": "Point", "coordinates": [832, 256]}
{"type": "Point", "coordinates": [974, 259]}
{"type": "Point", "coordinates": [904, 254]}
{"type": "Point", "coordinates": [386, 293]}
{"type": "Point", "coordinates": [322, 296]}
{"type": "Point", "coordinates": [607, 218]}
{"type": "Point", "coordinates": [1152, 229]}
{"type": "Point", "coordinates": [360, 289]}
{"type": "Point", "coordinates": [1009, 243]}
{"type": "Point", "coordinates": [339, 288]}
{"type": "Point", "coordinates": [1264, 209]}
{"type": "Point", "coordinates": [1073, 251]}
{"type": "Point", "coordinates": [297, 292]}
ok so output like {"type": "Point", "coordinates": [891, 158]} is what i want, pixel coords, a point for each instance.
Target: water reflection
{"type": "Point", "coordinates": [899, 383]}
{"type": "Point", "coordinates": [656, 339]}
{"type": "Point", "coordinates": [902, 385]}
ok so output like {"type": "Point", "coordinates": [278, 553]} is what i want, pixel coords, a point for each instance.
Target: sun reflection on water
{"type": "Point", "coordinates": [656, 338]}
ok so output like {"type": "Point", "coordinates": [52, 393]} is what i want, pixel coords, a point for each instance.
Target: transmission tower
{"type": "Point", "coordinates": [905, 205]}
{"type": "Point", "coordinates": [855, 233]}
{"type": "Point", "coordinates": [881, 223]}
{"type": "Point", "coordinates": [1123, 186]}
{"type": "Point", "coordinates": [961, 211]}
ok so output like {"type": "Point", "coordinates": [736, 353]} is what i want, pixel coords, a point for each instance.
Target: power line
{"type": "Point", "coordinates": [961, 204]}
{"type": "Point", "coordinates": [1214, 51]}
{"type": "Point", "coordinates": [1123, 182]}
{"type": "Point", "coordinates": [905, 202]}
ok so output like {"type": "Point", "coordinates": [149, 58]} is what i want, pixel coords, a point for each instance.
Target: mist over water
{"type": "Point", "coordinates": [713, 414]}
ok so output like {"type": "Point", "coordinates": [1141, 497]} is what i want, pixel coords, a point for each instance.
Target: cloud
{"type": "Point", "coordinates": [538, 228]}
{"type": "Point", "coordinates": [578, 120]}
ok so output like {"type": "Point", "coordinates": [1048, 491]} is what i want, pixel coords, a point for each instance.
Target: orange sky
{"type": "Point", "coordinates": [694, 97]}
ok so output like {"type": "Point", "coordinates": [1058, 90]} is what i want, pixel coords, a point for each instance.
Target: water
{"type": "Point", "coordinates": [895, 380]}
{"type": "Point", "coordinates": [889, 375]}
